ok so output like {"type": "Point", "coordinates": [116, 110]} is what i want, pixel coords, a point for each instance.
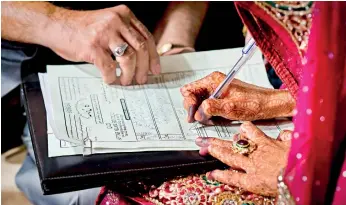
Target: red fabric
{"type": "Point", "coordinates": [274, 42]}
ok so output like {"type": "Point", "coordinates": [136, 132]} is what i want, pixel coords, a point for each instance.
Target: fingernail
{"type": "Point", "coordinates": [192, 111]}
{"type": "Point", "coordinates": [202, 142]}
{"type": "Point", "coordinates": [209, 175]}
{"type": "Point", "coordinates": [200, 116]}
{"type": "Point", "coordinates": [236, 137]}
{"type": "Point", "coordinates": [203, 151]}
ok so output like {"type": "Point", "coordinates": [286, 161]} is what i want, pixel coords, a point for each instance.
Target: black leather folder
{"type": "Point", "coordinates": [71, 173]}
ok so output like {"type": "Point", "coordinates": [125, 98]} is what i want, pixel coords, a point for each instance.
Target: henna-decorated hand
{"type": "Point", "coordinates": [258, 171]}
{"type": "Point", "coordinates": [242, 101]}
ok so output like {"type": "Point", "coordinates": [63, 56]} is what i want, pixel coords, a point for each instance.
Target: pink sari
{"type": "Point", "coordinates": [310, 59]}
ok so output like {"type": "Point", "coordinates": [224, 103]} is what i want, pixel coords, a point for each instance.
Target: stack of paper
{"type": "Point", "coordinates": [86, 116]}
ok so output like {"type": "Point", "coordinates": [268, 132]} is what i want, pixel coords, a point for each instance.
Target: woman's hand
{"type": "Point", "coordinates": [258, 171]}
{"type": "Point", "coordinates": [92, 36]}
{"type": "Point", "coordinates": [241, 101]}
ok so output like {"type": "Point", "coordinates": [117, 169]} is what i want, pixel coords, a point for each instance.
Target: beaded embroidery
{"type": "Point", "coordinates": [294, 16]}
{"type": "Point", "coordinates": [197, 189]}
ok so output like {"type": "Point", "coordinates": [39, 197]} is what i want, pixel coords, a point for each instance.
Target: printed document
{"type": "Point", "coordinates": [87, 116]}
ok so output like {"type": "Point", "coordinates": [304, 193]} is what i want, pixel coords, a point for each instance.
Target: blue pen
{"type": "Point", "coordinates": [247, 53]}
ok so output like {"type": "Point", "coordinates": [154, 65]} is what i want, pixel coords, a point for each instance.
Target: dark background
{"type": "Point", "coordinates": [221, 29]}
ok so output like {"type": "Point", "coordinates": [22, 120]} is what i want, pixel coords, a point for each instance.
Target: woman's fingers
{"type": "Point", "coordinates": [285, 136]}
{"type": "Point", "coordinates": [253, 133]}
{"type": "Point", "coordinates": [207, 141]}
{"type": "Point", "coordinates": [215, 107]}
{"type": "Point", "coordinates": [194, 93]}
{"type": "Point", "coordinates": [228, 177]}
{"type": "Point", "coordinates": [227, 156]}
{"type": "Point", "coordinates": [245, 181]}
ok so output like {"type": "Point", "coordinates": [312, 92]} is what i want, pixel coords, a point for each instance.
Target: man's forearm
{"type": "Point", "coordinates": [26, 22]}
{"type": "Point", "coordinates": [181, 23]}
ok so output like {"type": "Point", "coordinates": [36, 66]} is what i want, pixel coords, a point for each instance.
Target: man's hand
{"type": "Point", "coordinates": [180, 25]}
{"type": "Point", "coordinates": [86, 36]}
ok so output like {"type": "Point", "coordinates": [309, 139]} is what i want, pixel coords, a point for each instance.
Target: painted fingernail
{"type": "Point", "coordinates": [192, 111]}
{"type": "Point", "coordinates": [200, 116]}
{"type": "Point", "coordinates": [209, 175]}
{"type": "Point", "coordinates": [203, 151]}
{"type": "Point", "coordinates": [202, 142]}
{"type": "Point", "coordinates": [236, 137]}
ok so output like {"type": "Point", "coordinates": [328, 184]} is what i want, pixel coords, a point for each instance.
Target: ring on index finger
{"type": "Point", "coordinates": [120, 50]}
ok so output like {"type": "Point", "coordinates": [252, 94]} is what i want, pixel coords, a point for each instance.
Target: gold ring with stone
{"type": "Point", "coordinates": [243, 146]}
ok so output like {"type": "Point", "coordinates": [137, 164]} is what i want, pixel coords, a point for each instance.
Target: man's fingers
{"type": "Point", "coordinates": [106, 64]}
{"type": "Point", "coordinates": [227, 156]}
{"type": "Point", "coordinates": [127, 61]}
{"type": "Point", "coordinates": [154, 59]}
{"type": "Point", "coordinates": [139, 44]}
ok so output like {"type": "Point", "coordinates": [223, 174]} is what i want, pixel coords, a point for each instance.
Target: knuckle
{"type": "Point", "coordinates": [206, 105]}
{"type": "Point", "coordinates": [110, 17]}
{"type": "Point", "coordinates": [217, 74]}
{"type": "Point", "coordinates": [86, 56]}
{"type": "Point", "coordinates": [131, 54]}
{"type": "Point", "coordinates": [141, 45]}
{"type": "Point", "coordinates": [149, 36]}
{"type": "Point", "coordinates": [124, 9]}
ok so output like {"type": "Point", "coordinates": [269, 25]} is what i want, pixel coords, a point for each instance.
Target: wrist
{"type": "Point", "coordinates": [53, 27]}
{"type": "Point", "coordinates": [280, 103]}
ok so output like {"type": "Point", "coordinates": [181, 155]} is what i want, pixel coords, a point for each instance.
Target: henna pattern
{"type": "Point", "coordinates": [260, 169]}
{"type": "Point", "coordinates": [241, 101]}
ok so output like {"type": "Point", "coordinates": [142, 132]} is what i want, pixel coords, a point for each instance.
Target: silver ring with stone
{"type": "Point", "coordinates": [120, 50]}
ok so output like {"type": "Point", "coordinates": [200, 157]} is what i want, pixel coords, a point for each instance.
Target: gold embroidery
{"type": "Point", "coordinates": [227, 198]}
{"type": "Point", "coordinates": [295, 17]}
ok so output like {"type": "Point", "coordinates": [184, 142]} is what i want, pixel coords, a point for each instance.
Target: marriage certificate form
{"type": "Point", "coordinates": [86, 112]}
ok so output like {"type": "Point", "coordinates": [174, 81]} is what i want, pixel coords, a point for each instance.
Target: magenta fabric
{"type": "Point", "coordinates": [320, 123]}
